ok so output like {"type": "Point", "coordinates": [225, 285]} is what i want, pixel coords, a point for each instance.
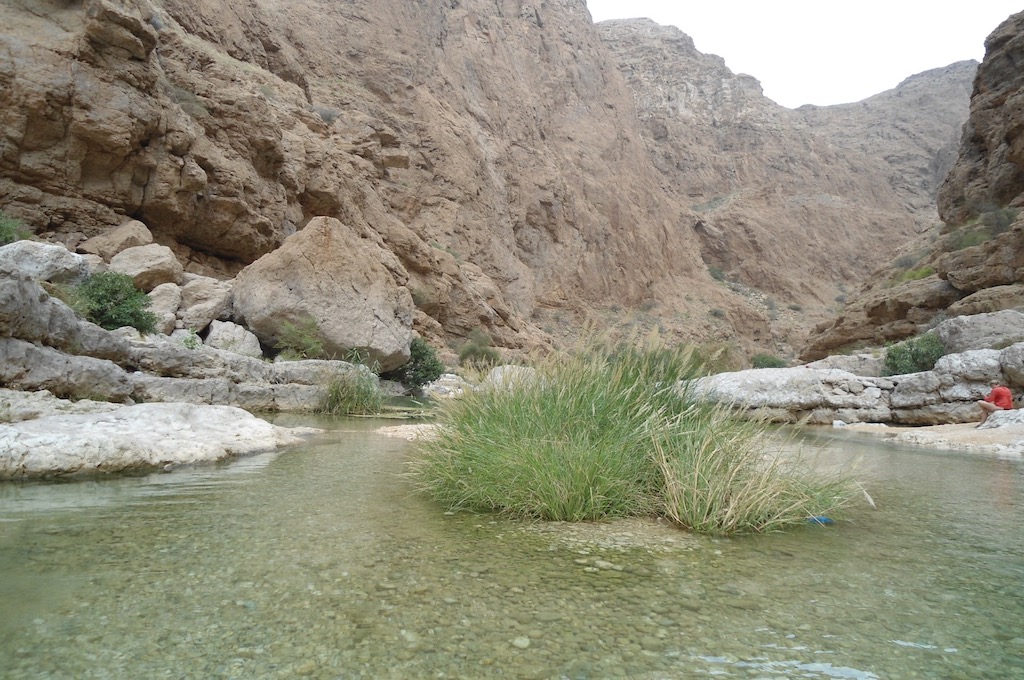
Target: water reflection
{"type": "Point", "coordinates": [319, 562]}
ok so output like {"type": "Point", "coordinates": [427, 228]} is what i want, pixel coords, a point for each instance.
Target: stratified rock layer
{"type": "Point", "coordinates": [989, 171]}
{"type": "Point", "coordinates": [506, 153]}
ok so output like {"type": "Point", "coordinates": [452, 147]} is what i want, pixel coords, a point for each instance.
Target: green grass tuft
{"type": "Point", "coordinates": [612, 433]}
{"type": "Point", "coordinates": [478, 352]}
{"type": "Point", "coordinates": [916, 274]}
{"type": "Point", "coordinates": [354, 393]}
{"type": "Point", "coordinates": [12, 229]}
{"type": "Point", "coordinates": [767, 361]}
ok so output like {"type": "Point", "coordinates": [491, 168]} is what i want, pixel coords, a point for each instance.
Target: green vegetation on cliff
{"type": "Point", "coordinates": [11, 229]}
{"type": "Point", "coordinates": [914, 355]}
{"type": "Point", "coordinates": [112, 301]}
{"type": "Point", "coordinates": [423, 366]}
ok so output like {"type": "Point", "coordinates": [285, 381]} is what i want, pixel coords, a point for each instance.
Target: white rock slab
{"type": "Point", "coordinates": [143, 436]}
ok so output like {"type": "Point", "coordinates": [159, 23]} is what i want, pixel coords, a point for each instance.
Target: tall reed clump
{"type": "Point", "coordinates": [723, 476]}
{"type": "Point", "coordinates": [611, 432]}
{"type": "Point", "coordinates": [354, 393]}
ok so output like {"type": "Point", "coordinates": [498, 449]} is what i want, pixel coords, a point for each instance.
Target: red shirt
{"type": "Point", "coordinates": [1001, 397]}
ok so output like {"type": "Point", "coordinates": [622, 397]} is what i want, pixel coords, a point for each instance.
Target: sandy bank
{"type": "Point", "coordinates": [1005, 440]}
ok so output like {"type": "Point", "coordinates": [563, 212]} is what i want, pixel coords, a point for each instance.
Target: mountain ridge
{"type": "Point", "coordinates": [501, 151]}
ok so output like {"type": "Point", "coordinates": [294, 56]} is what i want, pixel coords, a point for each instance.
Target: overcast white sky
{"type": "Point", "coordinates": [825, 51]}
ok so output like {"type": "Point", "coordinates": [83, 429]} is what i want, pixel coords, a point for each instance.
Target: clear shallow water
{"type": "Point", "coordinates": [319, 562]}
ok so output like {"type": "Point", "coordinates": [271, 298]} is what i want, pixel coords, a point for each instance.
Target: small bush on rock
{"type": "Point", "coordinates": [913, 356]}
{"type": "Point", "coordinates": [112, 301]}
{"type": "Point", "coordinates": [11, 230]}
{"type": "Point", "coordinates": [767, 361]}
{"type": "Point", "coordinates": [916, 274]}
{"type": "Point", "coordinates": [998, 220]}
{"type": "Point", "coordinates": [300, 340]}
{"type": "Point", "coordinates": [478, 352]}
{"type": "Point", "coordinates": [355, 393]}
{"type": "Point", "coordinates": [423, 366]}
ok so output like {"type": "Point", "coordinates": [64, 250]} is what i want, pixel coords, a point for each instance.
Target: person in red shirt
{"type": "Point", "coordinates": [999, 399]}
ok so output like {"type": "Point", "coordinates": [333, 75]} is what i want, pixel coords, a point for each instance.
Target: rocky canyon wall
{"type": "Point", "coordinates": [973, 262]}
{"type": "Point", "coordinates": [792, 202]}
{"type": "Point", "coordinates": [530, 171]}
{"type": "Point", "coordinates": [989, 170]}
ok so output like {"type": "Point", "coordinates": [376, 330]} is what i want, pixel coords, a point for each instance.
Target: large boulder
{"type": "Point", "coordinates": [1012, 361]}
{"type": "Point", "coordinates": [989, 300]}
{"type": "Point", "coordinates": [233, 338]}
{"type": "Point", "coordinates": [945, 394]}
{"type": "Point", "coordinates": [108, 244]}
{"type": "Point", "coordinates": [27, 312]}
{"type": "Point", "coordinates": [165, 300]}
{"type": "Point", "coordinates": [17, 405]}
{"type": "Point", "coordinates": [30, 367]}
{"type": "Point", "coordinates": [149, 266]}
{"type": "Point", "coordinates": [203, 299]}
{"type": "Point", "coordinates": [980, 331]}
{"type": "Point", "coordinates": [342, 278]}
{"type": "Point", "coordinates": [996, 262]}
{"type": "Point", "coordinates": [980, 366]}
{"type": "Point", "coordinates": [43, 262]}
{"type": "Point", "coordinates": [792, 394]}
{"type": "Point", "coordinates": [144, 436]}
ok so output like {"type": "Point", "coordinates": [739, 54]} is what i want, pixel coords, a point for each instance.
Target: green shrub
{"type": "Point", "coordinates": [111, 300]}
{"type": "Point", "coordinates": [916, 274]}
{"type": "Point", "coordinates": [12, 230]}
{"type": "Point", "coordinates": [998, 220]}
{"type": "Point", "coordinates": [611, 433]}
{"type": "Point", "coordinates": [327, 114]}
{"type": "Point", "coordinates": [423, 366]}
{"type": "Point", "coordinates": [989, 223]}
{"type": "Point", "coordinates": [968, 238]}
{"type": "Point", "coordinates": [354, 393]}
{"type": "Point", "coordinates": [912, 356]}
{"type": "Point", "coordinates": [905, 262]}
{"type": "Point", "coordinates": [300, 340]}
{"type": "Point", "coordinates": [192, 340]}
{"type": "Point", "coordinates": [767, 361]}
{"type": "Point", "coordinates": [477, 352]}
{"type": "Point", "coordinates": [716, 357]}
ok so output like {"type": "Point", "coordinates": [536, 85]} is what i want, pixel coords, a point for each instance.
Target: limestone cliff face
{"type": "Point", "coordinates": [974, 262]}
{"type": "Point", "coordinates": [518, 160]}
{"type": "Point", "coordinates": [792, 202]}
{"type": "Point", "coordinates": [989, 171]}
{"type": "Point", "coordinates": [492, 146]}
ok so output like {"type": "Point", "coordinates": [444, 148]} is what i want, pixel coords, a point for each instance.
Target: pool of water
{"type": "Point", "coordinates": [321, 562]}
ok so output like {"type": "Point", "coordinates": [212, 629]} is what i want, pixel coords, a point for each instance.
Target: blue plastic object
{"type": "Point", "coordinates": [821, 519]}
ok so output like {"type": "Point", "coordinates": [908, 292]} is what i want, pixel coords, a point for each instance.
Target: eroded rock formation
{"type": "Point", "coordinates": [791, 202]}
{"type": "Point", "coordinates": [503, 152]}
{"type": "Point", "coordinates": [974, 262]}
{"type": "Point", "coordinates": [989, 171]}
